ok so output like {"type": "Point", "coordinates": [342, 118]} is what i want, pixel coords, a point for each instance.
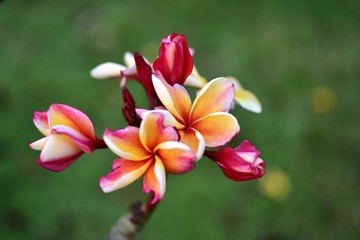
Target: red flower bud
{"type": "Point", "coordinates": [128, 109]}
{"type": "Point", "coordinates": [175, 61]}
{"type": "Point", "coordinates": [239, 164]}
{"type": "Point", "coordinates": [142, 72]}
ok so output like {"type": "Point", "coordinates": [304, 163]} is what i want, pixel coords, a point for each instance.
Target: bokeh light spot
{"type": "Point", "coordinates": [322, 99]}
{"type": "Point", "coordinates": [276, 184]}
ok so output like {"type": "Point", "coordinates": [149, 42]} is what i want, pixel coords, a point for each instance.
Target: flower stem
{"type": "Point", "coordinates": [130, 224]}
{"type": "Point", "coordinates": [100, 144]}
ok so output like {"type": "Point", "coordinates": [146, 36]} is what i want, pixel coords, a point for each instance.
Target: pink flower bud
{"type": "Point", "coordinates": [175, 61]}
{"type": "Point", "coordinates": [68, 134]}
{"type": "Point", "coordinates": [239, 164]}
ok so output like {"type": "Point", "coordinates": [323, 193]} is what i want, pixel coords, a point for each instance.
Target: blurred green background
{"type": "Point", "coordinates": [301, 58]}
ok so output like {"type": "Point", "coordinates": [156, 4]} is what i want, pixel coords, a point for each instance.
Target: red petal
{"type": "Point", "coordinates": [175, 60]}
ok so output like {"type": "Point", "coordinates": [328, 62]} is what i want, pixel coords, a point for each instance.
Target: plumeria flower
{"type": "Point", "coordinates": [110, 70]}
{"type": "Point", "coordinates": [245, 98]}
{"type": "Point", "coordinates": [151, 150]}
{"type": "Point", "coordinates": [239, 164]}
{"type": "Point", "coordinates": [206, 121]}
{"type": "Point", "coordinates": [175, 59]}
{"type": "Point", "coordinates": [68, 134]}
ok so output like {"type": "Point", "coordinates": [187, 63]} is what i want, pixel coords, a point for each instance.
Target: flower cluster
{"type": "Point", "coordinates": [169, 137]}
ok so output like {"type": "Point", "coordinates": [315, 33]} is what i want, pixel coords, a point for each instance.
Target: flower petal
{"type": "Point", "coordinates": [129, 59]}
{"type": "Point", "coordinates": [217, 128]}
{"type": "Point", "coordinates": [236, 82]}
{"type": "Point", "coordinates": [155, 180]}
{"type": "Point", "coordinates": [175, 60]}
{"type": "Point", "coordinates": [175, 98]}
{"type": "Point", "coordinates": [236, 168]}
{"type": "Point", "coordinates": [153, 132]}
{"type": "Point", "coordinates": [248, 100]}
{"type": "Point", "coordinates": [59, 152]}
{"type": "Point", "coordinates": [124, 173]}
{"type": "Point", "coordinates": [195, 79]}
{"type": "Point", "coordinates": [126, 143]}
{"type": "Point", "coordinates": [177, 157]}
{"type": "Point", "coordinates": [130, 72]}
{"type": "Point", "coordinates": [169, 119]}
{"type": "Point", "coordinates": [194, 140]}
{"type": "Point", "coordinates": [107, 70]}
{"type": "Point", "coordinates": [60, 114]}
{"type": "Point", "coordinates": [248, 174]}
{"type": "Point", "coordinates": [84, 143]}
{"type": "Point", "coordinates": [245, 98]}
{"type": "Point", "coordinates": [247, 151]}
{"type": "Point", "coordinates": [216, 96]}
{"type": "Point", "coordinates": [41, 122]}
{"type": "Point", "coordinates": [39, 144]}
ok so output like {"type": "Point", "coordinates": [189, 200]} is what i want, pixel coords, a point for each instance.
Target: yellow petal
{"type": "Point", "coordinates": [60, 114]}
{"type": "Point", "coordinates": [248, 100]}
{"type": "Point", "coordinates": [194, 140]}
{"type": "Point", "coordinates": [126, 143]}
{"type": "Point", "coordinates": [217, 128]}
{"type": "Point", "coordinates": [175, 98]}
{"type": "Point", "coordinates": [177, 157]}
{"type": "Point", "coordinates": [216, 96]}
{"type": "Point", "coordinates": [153, 132]}
{"type": "Point", "coordinates": [169, 119]}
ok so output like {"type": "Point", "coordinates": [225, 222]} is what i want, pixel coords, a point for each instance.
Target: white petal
{"type": "Point", "coordinates": [130, 70]}
{"type": "Point", "coordinates": [161, 176]}
{"type": "Point", "coordinates": [39, 144]}
{"type": "Point", "coordinates": [169, 119]}
{"type": "Point", "coordinates": [201, 148]}
{"type": "Point", "coordinates": [129, 59]}
{"type": "Point", "coordinates": [107, 70]}
{"type": "Point", "coordinates": [58, 147]}
{"type": "Point", "coordinates": [172, 145]}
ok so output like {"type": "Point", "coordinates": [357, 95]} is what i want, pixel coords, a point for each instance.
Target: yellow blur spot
{"type": "Point", "coordinates": [275, 184]}
{"type": "Point", "coordinates": [322, 99]}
